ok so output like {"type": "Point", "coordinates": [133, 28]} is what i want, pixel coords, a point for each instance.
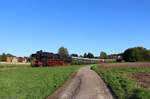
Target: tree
{"type": "Point", "coordinates": [90, 55]}
{"type": "Point", "coordinates": [103, 55]}
{"type": "Point", "coordinates": [74, 55]}
{"type": "Point", "coordinates": [3, 57]}
{"type": "Point", "coordinates": [147, 55]}
{"type": "Point", "coordinates": [81, 56]}
{"type": "Point", "coordinates": [9, 55]}
{"type": "Point", "coordinates": [134, 54]}
{"type": "Point", "coordinates": [85, 55]}
{"type": "Point", "coordinates": [63, 52]}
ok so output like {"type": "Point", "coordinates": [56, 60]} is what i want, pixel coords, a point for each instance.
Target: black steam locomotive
{"type": "Point", "coordinates": [41, 58]}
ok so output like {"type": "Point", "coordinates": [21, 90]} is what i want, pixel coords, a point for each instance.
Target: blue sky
{"type": "Point", "coordinates": [80, 25]}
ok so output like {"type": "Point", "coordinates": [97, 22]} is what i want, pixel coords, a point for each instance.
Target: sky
{"type": "Point", "coordinates": [27, 26]}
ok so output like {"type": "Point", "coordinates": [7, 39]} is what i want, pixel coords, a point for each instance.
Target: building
{"type": "Point", "coordinates": [9, 59]}
{"type": "Point", "coordinates": [14, 59]}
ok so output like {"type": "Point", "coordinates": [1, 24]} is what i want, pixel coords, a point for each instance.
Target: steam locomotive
{"type": "Point", "coordinates": [43, 59]}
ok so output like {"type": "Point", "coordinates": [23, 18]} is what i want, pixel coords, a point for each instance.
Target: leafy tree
{"type": "Point", "coordinates": [85, 55]}
{"type": "Point", "coordinates": [3, 57]}
{"type": "Point", "coordinates": [147, 55]}
{"type": "Point", "coordinates": [81, 56]}
{"type": "Point", "coordinates": [134, 54]}
{"type": "Point", "coordinates": [90, 55]}
{"type": "Point", "coordinates": [103, 55]}
{"type": "Point", "coordinates": [63, 52]}
{"type": "Point", "coordinates": [9, 55]}
{"type": "Point", "coordinates": [74, 55]}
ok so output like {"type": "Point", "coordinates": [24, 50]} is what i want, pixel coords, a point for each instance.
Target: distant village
{"type": "Point", "coordinates": [17, 59]}
{"type": "Point", "coordinates": [8, 58]}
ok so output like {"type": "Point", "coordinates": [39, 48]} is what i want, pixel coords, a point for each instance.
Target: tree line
{"type": "Point", "coordinates": [135, 54]}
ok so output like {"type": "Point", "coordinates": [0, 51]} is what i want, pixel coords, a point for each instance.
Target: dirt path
{"type": "Point", "coordinates": [85, 85]}
{"type": "Point", "coordinates": [92, 86]}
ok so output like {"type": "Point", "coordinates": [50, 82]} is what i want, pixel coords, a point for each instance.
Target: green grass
{"type": "Point", "coordinates": [32, 83]}
{"type": "Point", "coordinates": [122, 86]}
{"type": "Point", "coordinates": [13, 65]}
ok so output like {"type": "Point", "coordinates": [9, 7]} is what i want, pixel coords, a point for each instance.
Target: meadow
{"type": "Point", "coordinates": [126, 80]}
{"type": "Point", "coordinates": [25, 82]}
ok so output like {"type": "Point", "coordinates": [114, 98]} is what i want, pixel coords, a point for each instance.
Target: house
{"type": "Point", "coordinates": [26, 60]}
{"type": "Point", "coordinates": [14, 59]}
{"type": "Point", "coordinates": [11, 59]}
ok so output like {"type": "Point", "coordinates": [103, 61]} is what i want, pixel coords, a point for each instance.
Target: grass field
{"type": "Point", "coordinates": [127, 80]}
{"type": "Point", "coordinates": [7, 65]}
{"type": "Point", "coordinates": [32, 83]}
